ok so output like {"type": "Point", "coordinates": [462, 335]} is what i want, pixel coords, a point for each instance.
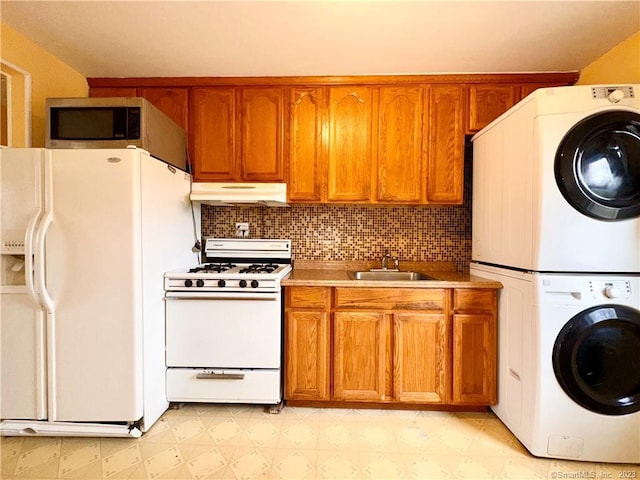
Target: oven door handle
{"type": "Point", "coordinates": [220, 376]}
{"type": "Point", "coordinates": [226, 297]}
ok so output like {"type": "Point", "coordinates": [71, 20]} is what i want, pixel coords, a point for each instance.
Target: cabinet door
{"type": "Point", "coordinates": [445, 125]}
{"type": "Point", "coordinates": [173, 102]}
{"type": "Point", "coordinates": [307, 145]}
{"type": "Point", "coordinates": [421, 357]}
{"type": "Point", "coordinates": [400, 155]}
{"type": "Point", "coordinates": [528, 88]}
{"type": "Point", "coordinates": [307, 355]}
{"type": "Point", "coordinates": [350, 149]}
{"type": "Point", "coordinates": [211, 136]}
{"type": "Point", "coordinates": [360, 356]}
{"type": "Point", "coordinates": [262, 134]}
{"type": "Point", "coordinates": [474, 346]}
{"type": "Point", "coordinates": [474, 359]}
{"type": "Point", "coordinates": [113, 92]}
{"type": "Point", "coordinates": [488, 102]}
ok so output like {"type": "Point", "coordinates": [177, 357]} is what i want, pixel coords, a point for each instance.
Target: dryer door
{"type": "Point", "coordinates": [597, 166]}
{"type": "Point", "coordinates": [596, 359]}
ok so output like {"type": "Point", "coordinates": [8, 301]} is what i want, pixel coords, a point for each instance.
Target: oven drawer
{"type": "Point", "coordinates": [223, 386]}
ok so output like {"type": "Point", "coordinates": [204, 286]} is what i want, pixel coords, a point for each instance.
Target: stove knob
{"type": "Point", "coordinates": [200, 283]}
{"type": "Point", "coordinates": [188, 283]}
{"type": "Point", "coordinates": [243, 283]}
{"type": "Point", "coordinates": [254, 283]}
{"type": "Point", "coordinates": [221, 283]}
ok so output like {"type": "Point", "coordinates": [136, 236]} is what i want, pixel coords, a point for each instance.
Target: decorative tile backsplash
{"type": "Point", "coordinates": [351, 232]}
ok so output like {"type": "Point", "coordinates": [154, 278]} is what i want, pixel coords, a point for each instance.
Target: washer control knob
{"type": "Point", "coordinates": [254, 283]}
{"type": "Point", "coordinates": [200, 283]}
{"type": "Point", "coordinates": [612, 292]}
{"type": "Point", "coordinates": [188, 283]}
{"type": "Point", "coordinates": [242, 283]}
{"type": "Point", "coordinates": [221, 283]}
{"type": "Point", "coordinates": [616, 96]}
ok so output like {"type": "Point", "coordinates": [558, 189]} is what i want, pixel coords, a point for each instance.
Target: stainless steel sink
{"type": "Point", "coordinates": [389, 275]}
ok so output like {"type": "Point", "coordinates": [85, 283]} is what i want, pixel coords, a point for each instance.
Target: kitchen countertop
{"type": "Point", "coordinates": [335, 274]}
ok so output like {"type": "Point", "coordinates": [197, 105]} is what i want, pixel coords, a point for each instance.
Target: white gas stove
{"type": "Point", "coordinates": [251, 265]}
{"type": "Point", "coordinates": [224, 323]}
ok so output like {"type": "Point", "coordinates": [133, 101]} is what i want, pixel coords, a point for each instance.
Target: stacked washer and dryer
{"type": "Point", "coordinates": [556, 219]}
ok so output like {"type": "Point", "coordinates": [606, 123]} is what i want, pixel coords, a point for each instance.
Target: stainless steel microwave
{"type": "Point", "coordinates": [116, 122]}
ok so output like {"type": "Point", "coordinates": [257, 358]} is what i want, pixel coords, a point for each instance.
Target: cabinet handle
{"type": "Point", "coordinates": [220, 376]}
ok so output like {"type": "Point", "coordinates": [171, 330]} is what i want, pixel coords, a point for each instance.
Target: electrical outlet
{"type": "Point", "coordinates": [242, 229]}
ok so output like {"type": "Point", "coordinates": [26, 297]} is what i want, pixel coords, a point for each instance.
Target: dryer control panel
{"type": "Point", "coordinates": [614, 93]}
{"type": "Point", "coordinates": [610, 289]}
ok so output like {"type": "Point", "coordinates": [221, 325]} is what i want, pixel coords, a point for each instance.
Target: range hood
{"type": "Point", "coordinates": [231, 194]}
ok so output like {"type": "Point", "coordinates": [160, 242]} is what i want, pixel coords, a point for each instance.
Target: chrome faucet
{"type": "Point", "coordinates": [385, 261]}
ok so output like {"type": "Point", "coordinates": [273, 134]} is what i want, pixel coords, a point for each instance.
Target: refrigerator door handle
{"type": "Point", "coordinates": [41, 284]}
{"type": "Point", "coordinates": [41, 235]}
{"type": "Point", "coordinates": [29, 252]}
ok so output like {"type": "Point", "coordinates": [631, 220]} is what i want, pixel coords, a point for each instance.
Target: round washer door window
{"type": "Point", "coordinates": [596, 359]}
{"type": "Point", "coordinates": [597, 166]}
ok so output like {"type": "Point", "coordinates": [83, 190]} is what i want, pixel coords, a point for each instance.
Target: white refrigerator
{"type": "Point", "coordinates": [86, 236]}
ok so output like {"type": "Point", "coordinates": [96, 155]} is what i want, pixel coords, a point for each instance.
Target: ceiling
{"type": "Point", "coordinates": [269, 38]}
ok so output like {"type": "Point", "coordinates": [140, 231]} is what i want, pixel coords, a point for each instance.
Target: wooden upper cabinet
{"type": "Point", "coordinates": [361, 139]}
{"type": "Point", "coordinates": [261, 148]}
{"type": "Point", "coordinates": [113, 92]}
{"type": "Point", "coordinates": [488, 102]}
{"type": "Point", "coordinates": [212, 134]}
{"type": "Point", "coordinates": [528, 88]}
{"type": "Point", "coordinates": [307, 144]}
{"type": "Point", "coordinates": [445, 132]}
{"type": "Point", "coordinates": [350, 144]}
{"type": "Point", "coordinates": [400, 153]}
{"type": "Point", "coordinates": [173, 102]}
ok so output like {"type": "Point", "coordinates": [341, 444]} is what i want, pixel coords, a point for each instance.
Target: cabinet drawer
{"type": "Point", "coordinates": [474, 299]}
{"type": "Point", "coordinates": [391, 298]}
{"type": "Point", "coordinates": [223, 386]}
{"type": "Point", "coordinates": [309, 297]}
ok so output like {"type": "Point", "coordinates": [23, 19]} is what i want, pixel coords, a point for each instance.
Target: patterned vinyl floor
{"type": "Point", "coordinates": [201, 441]}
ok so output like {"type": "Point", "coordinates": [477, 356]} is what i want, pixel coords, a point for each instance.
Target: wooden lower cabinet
{"type": "Point", "coordinates": [360, 356]}
{"type": "Point", "coordinates": [307, 343]}
{"type": "Point", "coordinates": [421, 368]}
{"type": "Point", "coordinates": [383, 345]}
{"type": "Point", "coordinates": [474, 346]}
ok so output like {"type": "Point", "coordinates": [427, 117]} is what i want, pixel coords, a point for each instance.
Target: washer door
{"type": "Point", "coordinates": [596, 359]}
{"type": "Point", "coordinates": [597, 166]}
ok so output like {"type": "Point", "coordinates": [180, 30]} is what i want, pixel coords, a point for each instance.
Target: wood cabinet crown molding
{"type": "Point", "coordinates": [467, 78]}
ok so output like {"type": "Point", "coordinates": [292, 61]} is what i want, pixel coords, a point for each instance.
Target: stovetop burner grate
{"type": "Point", "coordinates": [213, 268]}
{"type": "Point", "coordinates": [259, 268]}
